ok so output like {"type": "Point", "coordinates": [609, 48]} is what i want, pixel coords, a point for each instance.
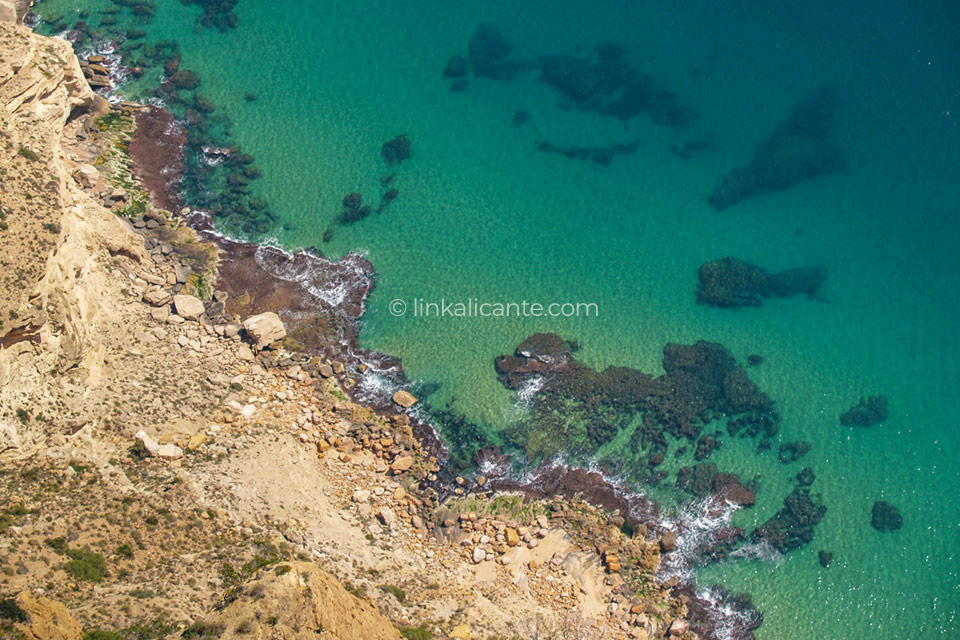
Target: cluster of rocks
{"type": "Point", "coordinates": [96, 72]}
{"type": "Point", "coordinates": [730, 283]}
{"type": "Point", "coordinates": [796, 151]}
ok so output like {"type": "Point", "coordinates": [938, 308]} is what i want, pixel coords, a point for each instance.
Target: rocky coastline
{"type": "Point", "coordinates": [237, 444]}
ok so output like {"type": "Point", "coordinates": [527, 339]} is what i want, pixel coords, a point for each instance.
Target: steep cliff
{"type": "Point", "coordinates": [56, 241]}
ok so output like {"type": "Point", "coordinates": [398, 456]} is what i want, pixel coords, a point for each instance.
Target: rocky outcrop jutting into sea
{"type": "Point", "coordinates": [796, 151]}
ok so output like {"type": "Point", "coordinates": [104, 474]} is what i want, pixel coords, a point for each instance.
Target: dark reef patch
{"type": "Point", "coordinates": [796, 151]}
{"type": "Point", "coordinates": [868, 412]}
{"type": "Point", "coordinates": [578, 409]}
{"type": "Point", "coordinates": [397, 150]}
{"type": "Point", "coordinates": [793, 525]}
{"type": "Point", "coordinates": [885, 517]}
{"type": "Point", "coordinates": [601, 155]}
{"type": "Point", "coordinates": [730, 283]}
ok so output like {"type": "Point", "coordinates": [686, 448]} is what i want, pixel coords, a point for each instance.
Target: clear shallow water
{"type": "Point", "coordinates": [482, 213]}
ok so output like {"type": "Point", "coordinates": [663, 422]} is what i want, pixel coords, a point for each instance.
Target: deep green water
{"type": "Point", "coordinates": [483, 214]}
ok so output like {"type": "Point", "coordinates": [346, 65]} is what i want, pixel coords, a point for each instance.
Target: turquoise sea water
{"type": "Point", "coordinates": [483, 214]}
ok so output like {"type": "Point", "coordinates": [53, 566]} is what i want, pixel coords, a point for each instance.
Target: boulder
{"type": "Point", "coordinates": [402, 463]}
{"type": "Point", "coordinates": [405, 399]}
{"type": "Point", "coordinates": [668, 541]}
{"type": "Point", "coordinates": [679, 627]}
{"type": "Point", "coordinates": [157, 297]}
{"type": "Point", "coordinates": [188, 307]}
{"type": "Point", "coordinates": [169, 452]}
{"type": "Point", "coordinates": [151, 446]}
{"type": "Point", "coordinates": [44, 619]}
{"type": "Point", "coordinates": [264, 329]}
{"type": "Point", "coordinates": [461, 632]}
{"type": "Point", "coordinates": [479, 555]}
{"type": "Point", "coordinates": [86, 176]}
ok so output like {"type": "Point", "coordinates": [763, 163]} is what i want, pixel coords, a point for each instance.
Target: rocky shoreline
{"type": "Point", "coordinates": [260, 278]}
{"type": "Point", "coordinates": [551, 553]}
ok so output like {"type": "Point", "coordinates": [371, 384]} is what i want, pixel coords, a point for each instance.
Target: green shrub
{"type": "Point", "coordinates": [397, 592]}
{"type": "Point", "coordinates": [10, 610]}
{"type": "Point", "coordinates": [58, 544]}
{"type": "Point", "coordinates": [415, 633]}
{"type": "Point", "coordinates": [28, 154]}
{"type": "Point", "coordinates": [85, 565]}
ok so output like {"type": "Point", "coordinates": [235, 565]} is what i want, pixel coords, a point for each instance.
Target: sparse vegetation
{"type": "Point", "coordinates": [85, 565]}
{"type": "Point", "coordinates": [397, 592]}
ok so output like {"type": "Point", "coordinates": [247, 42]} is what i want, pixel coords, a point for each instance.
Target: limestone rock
{"type": "Point", "coordinates": [402, 463]}
{"type": "Point", "coordinates": [86, 176]}
{"type": "Point", "coordinates": [668, 541]}
{"type": "Point", "coordinates": [298, 602]}
{"type": "Point", "coordinates": [46, 619]}
{"type": "Point", "coordinates": [461, 632]}
{"type": "Point", "coordinates": [170, 452]}
{"type": "Point", "coordinates": [679, 627]}
{"type": "Point", "coordinates": [149, 445]}
{"type": "Point", "coordinates": [264, 329]}
{"type": "Point", "coordinates": [157, 297]}
{"type": "Point", "coordinates": [479, 555]}
{"type": "Point", "coordinates": [405, 399]}
{"type": "Point", "coordinates": [188, 307]}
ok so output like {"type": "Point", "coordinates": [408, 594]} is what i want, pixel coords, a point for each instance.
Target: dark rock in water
{"type": "Point", "coordinates": [187, 80]}
{"type": "Point", "coordinates": [601, 155]}
{"type": "Point", "coordinates": [866, 413]}
{"type": "Point", "coordinates": [546, 346]}
{"type": "Point", "coordinates": [706, 445]}
{"type": "Point", "coordinates": [704, 479]}
{"type": "Point", "coordinates": [796, 151]}
{"type": "Point", "coordinates": [792, 451]}
{"type": "Point", "coordinates": [460, 84]}
{"type": "Point", "coordinates": [806, 477]}
{"type": "Point", "coordinates": [328, 235]}
{"type": "Point", "coordinates": [520, 117]}
{"type": "Point", "coordinates": [457, 67]}
{"type": "Point", "coordinates": [387, 198]}
{"type": "Point", "coordinates": [825, 557]}
{"type": "Point", "coordinates": [730, 283]}
{"type": "Point", "coordinates": [885, 516]}
{"type": "Point", "coordinates": [488, 52]}
{"type": "Point", "coordinates": [793, 526]}
{"type": "Point", "coordinates": [353, 201]}
{"type": "Point", "coordinates": [578, 79]}
{"type": "Point", "coordinates": [577, 408]}
{"type": "Point", "coordinates": [349, 216]}
{"type": "Point", "coordinates": [397, 150]}
{"type": "Point", "coordinates": [691, 147]}
{"type": "Point", "coordinates": [754, 360]}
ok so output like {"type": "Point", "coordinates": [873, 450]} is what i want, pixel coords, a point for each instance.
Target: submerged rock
{"type": "Point", "coordinates": [793, 525]}
{"type": "Point", "coordinates": [866, 413]}
{"type": "Point", "coordinates": [885, 516]}
{"type": "Point", "coordinates": [731, 283]}
{"type": "Point", "coordinates": [397, 150]}
{"type": "Point", "coordinates": [796, 151]}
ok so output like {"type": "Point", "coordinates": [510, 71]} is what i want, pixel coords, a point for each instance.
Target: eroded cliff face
{"type": "Point", "coordinates": [13, 10]}
{"type": "Point", "coordinates": [57, 244]}
{"type": "Point", "coordinates": [297, 601]}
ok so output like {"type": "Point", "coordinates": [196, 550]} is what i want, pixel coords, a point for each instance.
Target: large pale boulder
{"type": "Point", "coordinates": [264, 329]}
{"type": "Point", "coordinates": [188, 307]}
{"type": "Point", "coordinates": [405, 399]}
